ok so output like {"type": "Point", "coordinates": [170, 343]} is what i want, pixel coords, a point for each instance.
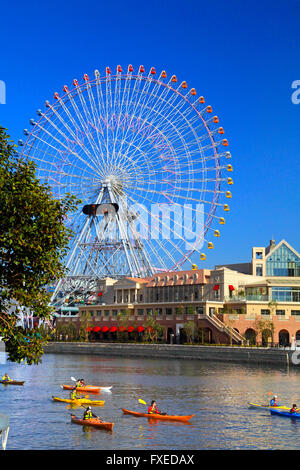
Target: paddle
{"type": "Point", "coordinates": [144, 403]}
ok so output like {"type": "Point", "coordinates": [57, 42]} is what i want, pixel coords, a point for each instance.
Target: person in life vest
{"type": "Point", "coordinates": [88, 413]}
{"type": "Point", "coordinates": [274, 401]}
{"type": "Point", "coordinates": [80, 383]}
{"type": "Point", "coordinates": [153, 409]}
{"type": "Point", "coordinates": [73, 394]}
{"type": "Point", "coordinates": [293, 409]}
{"type": "Point", "coordinates": [5, 378]}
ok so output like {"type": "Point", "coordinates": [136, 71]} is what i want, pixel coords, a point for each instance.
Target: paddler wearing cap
{"type": "Point", "coordinates": [274, 401]}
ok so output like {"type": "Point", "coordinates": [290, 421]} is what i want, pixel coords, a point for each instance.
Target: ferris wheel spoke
{"type": "Point", "coordinates": [75, 134]}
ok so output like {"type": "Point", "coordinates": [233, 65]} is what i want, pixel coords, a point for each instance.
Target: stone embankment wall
{"type": "Point", "coordinates": [207, 353]}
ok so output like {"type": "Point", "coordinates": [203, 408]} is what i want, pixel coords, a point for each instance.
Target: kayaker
{"type": "Point", "coordinates": [73, 394]}
{"type": "Point", "coordinates": [5, 378]}
{"type": "Point", "coordinates": [80, 383]}
{"type": "Point", "coordinates": [274, 401]}
{"type": "Point", "coordinates": [293, 409]}
{"type": "Point", "coordinates": [153, 409]}
{"type": "Point", "coordinates": [88, 413]}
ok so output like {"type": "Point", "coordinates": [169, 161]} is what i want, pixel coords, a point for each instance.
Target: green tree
{"type": "Point", "coordinates": [33, 243]}
{"type": "Point", "coordinates": [153, 329]}
{"type": "Point", "coordinates": [190, 330]}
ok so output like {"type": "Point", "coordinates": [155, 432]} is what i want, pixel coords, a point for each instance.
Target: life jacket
{"type": "Point", "coordinates": [151, 410]}
{"type": "Point", "coordinates": [88, 415]}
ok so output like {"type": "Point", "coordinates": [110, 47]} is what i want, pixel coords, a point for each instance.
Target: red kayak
{"type": "Point", "coordinates": [95, 422]}
{"type": "Point", "coordinates": [157, 416]}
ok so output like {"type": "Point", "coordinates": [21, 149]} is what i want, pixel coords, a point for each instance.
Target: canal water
{"type": "Point", "coordinates": [217, 393]}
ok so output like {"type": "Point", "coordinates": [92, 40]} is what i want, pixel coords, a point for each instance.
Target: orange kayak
{"type": "Point", "coordinates": [85, 388]}
{"type": "Point", "coordinates": [95, 422]}
{"type": "Point", "coordinates": [155, 416]}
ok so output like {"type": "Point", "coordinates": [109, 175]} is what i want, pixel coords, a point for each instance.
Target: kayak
{"type": "Point", "coordinates": [10, 382]}
{"type": "Point", "coordinates": [95, 422]}
{"type": "Point", "coordinates": [267, 407]}
{"type": "Point", "coordinates": [284, 413]}
{"type": "Point", "coordinates": [156, 416]}
{"type": "Point", "coordinates": [87, 388]}
{"type": "Point", "coordinates": [80, 401]}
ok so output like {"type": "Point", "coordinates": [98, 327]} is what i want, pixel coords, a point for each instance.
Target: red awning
{"type": "Point", "coordinates": [216, 287]}
{"type": "Point", "coordinates": [89, 328]}
{"type": "Point", "coordinates": [97, 328]}
{"type": "Point", "coordinates": [130, 329]}
{"type": "Point", "coordinates": [231, 287]}
{"type": "Point", "coordinates": [140, 329]}
{"type": "Point", "coordinates": [113, 329]}
{"type": "Point", "coordinates": [105, 329]}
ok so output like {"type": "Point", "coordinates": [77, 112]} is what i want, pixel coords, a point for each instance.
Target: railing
{"type": "Point", "coordinates": [222, 327]}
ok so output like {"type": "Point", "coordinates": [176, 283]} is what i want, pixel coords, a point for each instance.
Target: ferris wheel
{"type": "Point", "coordinates": [148, 158]}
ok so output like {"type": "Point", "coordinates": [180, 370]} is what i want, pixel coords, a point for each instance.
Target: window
{"type": "Point", "coordinates": [99, 313]}
{"type": "Point", "coordinates": [168, 311]}
{"type": "Point", "coordinates": [115, 313]}
{"type": "Point", "coordinates": [259, 270]}
{"type": "Point", "coordinates": [199, 310]}
{"type": "Point", "coordinates": [295, 312]}
{"type": "Point", "coordinates": [149, 311]}
{"type": "Point", "coordinates": [258, 255]}
{"type": "Point", "coordinates": [265, 312]}
{"type": "Point", "coordinates": [106, 313]}
{"type": "Point", "coordinates": [283, 262]}
{"type": "Point", "coordinates": [141, 297]}
{"type": "Point", "coordinates": [140, 311]}
{"type": "Point", "coordinates": [280, 312]}
{"type": "Point", "coordinates": [286, 294]}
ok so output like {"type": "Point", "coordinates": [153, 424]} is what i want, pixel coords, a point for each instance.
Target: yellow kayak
{"type": "Point", "coordinates": [80, 401]}
{"type": "Point", "coordinates": [267, 407]}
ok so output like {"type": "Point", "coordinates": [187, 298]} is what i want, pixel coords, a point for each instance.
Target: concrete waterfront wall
{"type": "Point", "coordinates": [261, 356]}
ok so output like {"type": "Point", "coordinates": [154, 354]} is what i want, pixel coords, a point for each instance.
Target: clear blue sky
{"type": "Point", "coordinates": [241, 55]}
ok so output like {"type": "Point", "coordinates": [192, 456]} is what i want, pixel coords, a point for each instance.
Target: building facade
{"type": "Point", "coordinates": [252, 302]}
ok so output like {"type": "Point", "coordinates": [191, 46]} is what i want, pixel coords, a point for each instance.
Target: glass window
{"type": "Point", "coordinates": [106, 313]}
{"type": "Point", "coordinates": [140, 311]}
{"type": "Point", "coordinates": [283, 262]}
{"type": "Point", "coordinates": [280, 312]}
{"type": "Point", "coordinates": [265, 311]}
{"type": "Point", "coordinates": [115, 313]}
{"type": "Point", "coordinates": [168, 311]}
{"type": "Point", "coordinates": [99, 313]}
{"type": "Point", "coordinates": [259, 270]}
{"type": "Point", "coordinates": [295, 312]}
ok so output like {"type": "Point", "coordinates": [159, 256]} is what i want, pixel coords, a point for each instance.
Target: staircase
{"type": "Point", "coordinates": [231, 332]}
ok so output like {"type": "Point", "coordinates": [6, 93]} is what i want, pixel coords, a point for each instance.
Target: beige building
{"type": "Point", "coordinates": [230, 297]}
